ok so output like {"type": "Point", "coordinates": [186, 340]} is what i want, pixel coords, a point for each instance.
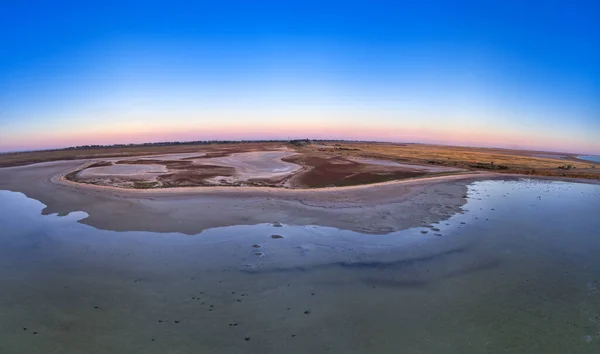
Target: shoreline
{"type": "Point", "coordinates": [580, 158]}
{"type": "Point", "coordinates": [373, 209]}
{"type": "Point", "coordinates": [225, 188]}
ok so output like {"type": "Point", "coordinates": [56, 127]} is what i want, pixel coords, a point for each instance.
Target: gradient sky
{"type": "Point", "coordinates": [511, 74]}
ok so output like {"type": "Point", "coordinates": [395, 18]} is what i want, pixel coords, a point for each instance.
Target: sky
{"type": "Point", "coordinates": [514, 74]}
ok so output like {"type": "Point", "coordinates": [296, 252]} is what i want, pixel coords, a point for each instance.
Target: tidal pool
{"type": "Point", "coordinates": [517, 271]}
{"type": "Point", "coordinates": [255, 165]}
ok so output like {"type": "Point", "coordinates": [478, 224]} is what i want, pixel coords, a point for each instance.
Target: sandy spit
{"type": "Point", "coordinates": [375, 209]}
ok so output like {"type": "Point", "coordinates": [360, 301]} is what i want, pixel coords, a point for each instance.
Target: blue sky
{"type": "Point", "coordinates": [508, 74]}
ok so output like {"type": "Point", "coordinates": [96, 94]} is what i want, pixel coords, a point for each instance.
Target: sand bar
{"type": "Point", "coordinates": [376, 209]}
{"type": "Point", "coordinates": [380, 208]}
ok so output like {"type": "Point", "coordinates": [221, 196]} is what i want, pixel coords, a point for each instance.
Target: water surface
{"type": "Point", "coordinates": [590, 158]}
{"type": "Point", "coordinates": [518, 271]}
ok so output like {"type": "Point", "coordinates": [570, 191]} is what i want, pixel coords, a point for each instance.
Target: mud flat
{"type": "Point", "coordinates": [347, 197]}
{"type": "Point", "coordinates": [280, 167]}
{"type": "Point", "coordinates": [379, 208]}
{"type": "Point", "coordinates": [257, 165]}
{"type": "Point", "coordinates": [123, 170]}
{"type": "Point", "coordinates": [189, 169]}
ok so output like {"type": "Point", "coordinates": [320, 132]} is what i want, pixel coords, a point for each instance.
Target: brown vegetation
{"type": "Point", "coordinates": [498, 160]}
{"type": "Point", "coordinates": [337, 171]}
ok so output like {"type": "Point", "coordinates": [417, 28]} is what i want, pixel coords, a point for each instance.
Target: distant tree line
{"type": "Point", "coordinates": [297, 142]}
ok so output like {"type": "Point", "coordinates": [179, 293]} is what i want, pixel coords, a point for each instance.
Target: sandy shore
{"type": "Point", "coordinates": [376, 209]}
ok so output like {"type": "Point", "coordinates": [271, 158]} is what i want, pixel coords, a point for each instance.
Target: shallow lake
{"type": "Point", "coordinates": [590, 158]}
{"type": "Point", "coordinates": [517, 271]}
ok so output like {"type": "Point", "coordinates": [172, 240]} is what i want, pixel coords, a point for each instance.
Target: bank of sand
{"type": "Point", "coordinates": [376, 209]}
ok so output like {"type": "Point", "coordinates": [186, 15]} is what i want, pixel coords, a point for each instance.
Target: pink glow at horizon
{"type": "Point", "coordinates": [426, 135]}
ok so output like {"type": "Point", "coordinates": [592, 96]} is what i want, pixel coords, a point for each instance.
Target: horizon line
{"type": "Point", "coordinates": [226, 141]}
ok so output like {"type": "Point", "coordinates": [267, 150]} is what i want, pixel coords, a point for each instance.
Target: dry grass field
{"type": "Point", "coordinates": [483, 159]}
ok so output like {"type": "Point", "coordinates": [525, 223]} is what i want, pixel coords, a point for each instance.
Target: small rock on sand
{"type": "Point", "coordinates": [276, 236]}
{"type": "Point", "coordinates": [277, 224]}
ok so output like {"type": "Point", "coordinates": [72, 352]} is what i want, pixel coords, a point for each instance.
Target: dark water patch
{"type": "Point", "coordinates": [373, 265]}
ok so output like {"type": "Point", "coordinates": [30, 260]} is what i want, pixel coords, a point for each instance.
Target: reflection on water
{"type": "Point", "coordinates": [518, 271]}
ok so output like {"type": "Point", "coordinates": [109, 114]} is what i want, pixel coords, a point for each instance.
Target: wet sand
{"type": "Point", "coordinates": [379, 208]}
